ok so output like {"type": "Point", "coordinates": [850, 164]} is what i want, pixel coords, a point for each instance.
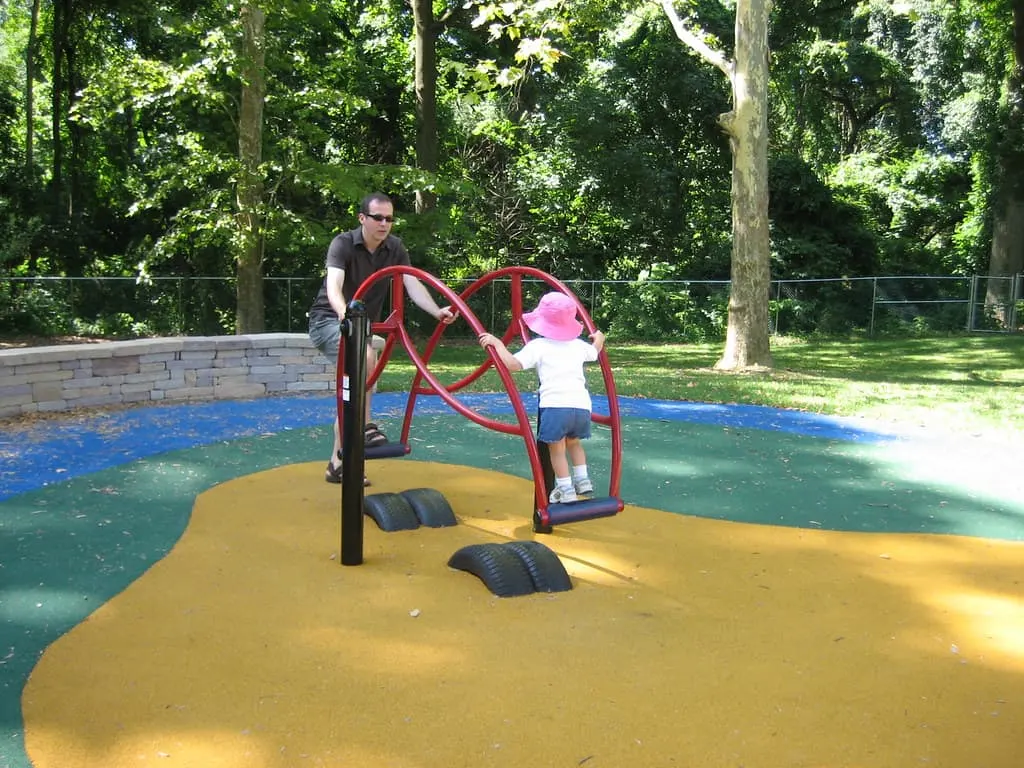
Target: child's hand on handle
{"type": "Point", "coordinates": [597, 339]}
{"type": "Point", "coordinates": [488, 340]}
{"type": "Point", "coordinates": [447, 316]}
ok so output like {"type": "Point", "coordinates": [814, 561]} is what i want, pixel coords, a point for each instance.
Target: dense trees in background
{"type": "Point", "coordinates": [186, 138]}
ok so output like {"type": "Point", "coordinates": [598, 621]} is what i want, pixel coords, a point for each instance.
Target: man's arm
{"type": "Point", "coordinates": [335, 290]}
{"type": "Point", "coordinates": [421, 298]}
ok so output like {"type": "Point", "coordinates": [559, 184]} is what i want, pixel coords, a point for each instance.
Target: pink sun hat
{"type": "Point", "coordinates": [554, 318]}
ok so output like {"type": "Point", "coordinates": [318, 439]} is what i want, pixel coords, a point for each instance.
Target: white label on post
{"type": "Point", "coordinates": [344, 389]}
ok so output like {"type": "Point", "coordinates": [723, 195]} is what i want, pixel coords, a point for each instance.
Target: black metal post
{"type": "Point", "coordinates": [544, 454]}
{"type": "Point", "coordinates": [355, 328]}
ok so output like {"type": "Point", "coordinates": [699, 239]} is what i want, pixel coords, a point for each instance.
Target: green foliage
{"type": "Point", "coordinates": [913, 326]}
{"type": "Point", "coordinates": [914, 204]}
{"type": "Point", "coordinates": [581, 138]}
{"type": "Point", "coordinates": [119, 325]}
{"type": "Point", "coordinates": [814, 234]}
{"type": "Point", "coordinates": [34, 309]}
{"type": "Point", "coordinates": [652, 310]}
{"type": "Point", "coordinates": [825, 309]}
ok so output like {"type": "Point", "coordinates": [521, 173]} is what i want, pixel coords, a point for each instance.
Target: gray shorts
{"type": "Point", "coordinates": [326, 334]}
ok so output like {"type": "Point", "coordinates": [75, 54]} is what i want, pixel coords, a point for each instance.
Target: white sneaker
{"type": "Point", "coordinates": [562, 495]}
{"type": "Point", "coordinates": [584, 487]}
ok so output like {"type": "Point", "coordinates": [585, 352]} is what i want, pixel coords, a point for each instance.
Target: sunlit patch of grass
{"type": "Point", "coordinates": [970, 384]}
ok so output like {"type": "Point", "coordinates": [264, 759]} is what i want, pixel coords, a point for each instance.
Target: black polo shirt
{"type": "Point", "coordinates": [347, 251]}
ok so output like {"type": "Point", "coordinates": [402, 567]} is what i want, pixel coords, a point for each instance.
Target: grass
{"type": "Point", "coordinates": [970, 384]}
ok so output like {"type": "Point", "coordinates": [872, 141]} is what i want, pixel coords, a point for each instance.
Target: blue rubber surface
{"type": "Point", "coordinates": [56, 451]}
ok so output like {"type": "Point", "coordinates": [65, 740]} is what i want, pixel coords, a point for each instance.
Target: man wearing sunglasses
{"type": "Point", "coordinates": [352, 258]}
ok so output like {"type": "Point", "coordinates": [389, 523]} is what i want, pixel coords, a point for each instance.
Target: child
{"type": "Point", "coordinates": [564, 410]}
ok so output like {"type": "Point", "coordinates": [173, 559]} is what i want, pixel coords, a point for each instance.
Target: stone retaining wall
{"type": "Point", "coordinates": [154, 370]}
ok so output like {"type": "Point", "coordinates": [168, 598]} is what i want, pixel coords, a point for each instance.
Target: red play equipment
{"type": "Point", "coordinates": [424, 383]}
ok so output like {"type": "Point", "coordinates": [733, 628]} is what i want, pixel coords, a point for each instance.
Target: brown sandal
{"type": "Point", "coordinates": [333, 475]}
{"type": "Point", "coordinates": [372, 436]}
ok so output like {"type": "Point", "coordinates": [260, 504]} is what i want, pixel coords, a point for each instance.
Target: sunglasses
{"type": "Point", "coordinates": [380, 217]}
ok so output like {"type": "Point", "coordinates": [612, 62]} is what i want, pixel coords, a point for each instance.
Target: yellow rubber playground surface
{"type": "Point", "coordinates": [771, 596]}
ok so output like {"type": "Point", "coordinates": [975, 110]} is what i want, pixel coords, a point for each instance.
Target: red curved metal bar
{"type": "Point", "coordinates": [518, 327]}
{"type": "Point", "coordinates": [394, 327]}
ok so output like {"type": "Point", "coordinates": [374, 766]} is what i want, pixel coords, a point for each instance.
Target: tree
{"type": "Point", "coordinates": [1007, 255]}
{"type": "Point", "coordinates": [31, 52]}
{"type": "Point", "coordinates": [426, 94]}
{"type": "Point", "coordinates": [746, 343]}
{"type": "Point", "coordinates": [59, 97]}
{"type": "Point", "coordinates": [861, 82]}
{"type": "Point", "coordinates": [249, 310]}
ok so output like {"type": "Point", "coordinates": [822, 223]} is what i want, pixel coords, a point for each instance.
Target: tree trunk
{"type": "Point", "coordinates": [746, 344]}
{"type": "Point", "coordinates": [1007, 255]}
{"type": "Point", "coordinates": [58, 86]}
{"type": "Point", "coordinates": [426, 96]}
{"type": "Point", "coordinates": [31, 49]}
{"type": "Point", "coordinates": [73, 159]}
{"type": "Point", "coordinates": [1006, 258]}
{"type": "Point", "coordinates": [249, 312]}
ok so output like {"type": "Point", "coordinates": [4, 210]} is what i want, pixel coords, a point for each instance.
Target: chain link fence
{"type": "Point", "coordinates": [642, 310]}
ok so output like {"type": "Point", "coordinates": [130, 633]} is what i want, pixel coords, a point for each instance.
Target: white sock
{"type": "Point", "coordinates": [579, 472]}
{"type": "Point", "coordinates": [563, 482]}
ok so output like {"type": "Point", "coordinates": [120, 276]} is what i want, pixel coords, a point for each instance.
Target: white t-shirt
{"type": "Point", "coordinates": [559, 367]}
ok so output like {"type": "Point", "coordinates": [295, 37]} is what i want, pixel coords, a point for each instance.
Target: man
{"type": "Point", "coordinates": [352, 258]}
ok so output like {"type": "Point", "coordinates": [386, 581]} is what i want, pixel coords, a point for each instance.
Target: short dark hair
{"type": "Point", "coordinates": [380, 197]}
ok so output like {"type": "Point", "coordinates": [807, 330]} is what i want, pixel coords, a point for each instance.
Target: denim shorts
{"type": "Point", "coordinates": [556, 423]}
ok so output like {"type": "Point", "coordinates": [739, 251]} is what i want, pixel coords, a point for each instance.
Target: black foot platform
{"type": "Point", "coordinates": [587, 509]}
{"type": "Point", "coordinates": [386, 451]}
